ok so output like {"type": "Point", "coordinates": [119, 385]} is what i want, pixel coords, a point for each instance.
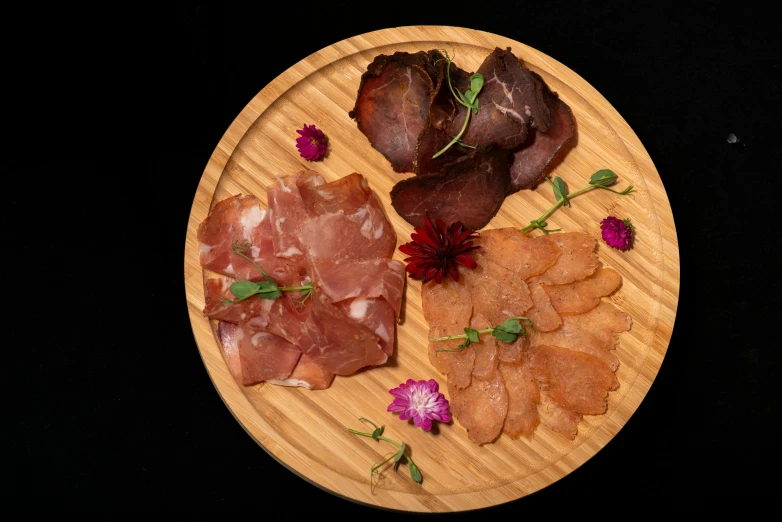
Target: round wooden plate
{"type": "Point", "coordinates": [305, 430]}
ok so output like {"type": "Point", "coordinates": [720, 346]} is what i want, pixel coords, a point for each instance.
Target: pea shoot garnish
{"type": "Point", "coordinates": [469, 99]}
{"type": "Point", "coordinates": [375, 474]}
{"type": "Point", "coordinates": [507, 332]}
{"type": "Point", "coordinates": [601, 179]}
{"type": "Point", "coordinates": [265, 289]}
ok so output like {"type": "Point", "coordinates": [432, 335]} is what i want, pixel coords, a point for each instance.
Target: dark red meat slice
{"type": "Point", "coordinates": [470, 190]}
{"type": "Point", "coordinates": [392, 105]}
{"type": "Point", "coordinates": [510, 102]}
{"type": "Point", "coordinates": [536, 157]}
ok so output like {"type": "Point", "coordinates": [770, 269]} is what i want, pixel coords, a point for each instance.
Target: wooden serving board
{"type": "Point", "coordinates": [305, 430]}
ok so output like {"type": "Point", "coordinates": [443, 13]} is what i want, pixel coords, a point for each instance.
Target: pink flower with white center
{"type": "Point", "coordinates": [420, 401]}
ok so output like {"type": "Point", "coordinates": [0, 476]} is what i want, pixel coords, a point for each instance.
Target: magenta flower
{"type": "Point", "coordinates": [618, 233]}
{"type": "Point", "coordinates": [311, 143]}
{"type": "Point", "coordinates": [420, 401]}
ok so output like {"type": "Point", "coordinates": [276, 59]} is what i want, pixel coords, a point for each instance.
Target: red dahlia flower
{"type": "Point", "coordinates": [436, 250]}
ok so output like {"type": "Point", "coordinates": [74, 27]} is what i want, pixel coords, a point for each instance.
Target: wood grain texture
{"type": "Point", "coordinates": [306, 431]}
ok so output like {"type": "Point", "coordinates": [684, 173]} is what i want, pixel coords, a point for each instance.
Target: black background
{"type": "Point", "coordinates": [109, 119]}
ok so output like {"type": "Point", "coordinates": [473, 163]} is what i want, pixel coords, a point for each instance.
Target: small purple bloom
{"type": "Point", "coordinates": [420, 401]}
{"type": "Point", "coordinates": [311, 143]}
{"type": "Point", "coordinates": [618, 233]}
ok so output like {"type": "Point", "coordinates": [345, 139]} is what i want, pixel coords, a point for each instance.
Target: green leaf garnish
{"type": "Point", "coordinates": [469, 99]}
{"type": "Point", "coordinates": [375, 473]}
{"type": "Point", "coordinates": [506, 332]}
{"type": "Point", "coordinates": [601, 179]}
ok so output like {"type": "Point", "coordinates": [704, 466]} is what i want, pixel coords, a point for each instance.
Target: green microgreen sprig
{"type": "Point", "coordinates": [507, 332]}
{"type": "Point", "coordinates": [469, 99]}
{"type": "Point", "coordinates": [376, 474]}
{"type": "Point", "coordinates": [267, 289]}
{"type": "Point", "coordinates": [601, 179]}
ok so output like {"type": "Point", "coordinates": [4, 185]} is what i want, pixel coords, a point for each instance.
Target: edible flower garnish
{"type": "Point", "coordinates": [436, 250]}
{"type": "Point", "coordinates": [618, 233]}
{"type": "Point", "coordinates": [312, 143]}
{"type": "Point", "coordinates": [375, 475]}
{"type": "Point", "coordinates": [601, 179]}
{"type": "Point", "coordinates": [421, 401]}
{"type": "Point", "coordinates": [267, 289]}
{"type": "Point", "coordinates": [469, 99]}
{"type": "Point", "coordinates": [507, 332]}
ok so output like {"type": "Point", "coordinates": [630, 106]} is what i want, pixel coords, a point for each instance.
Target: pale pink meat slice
{"type": "Point", "coordinates": [376, 314]}
{"type": "Point", "coordinates": [577, 381]}
{"type": "Point", "coordinates": [605, 322]}
{"type": "Point", "coordinates": [577, 259]}
{"type": "Point", "coordinates": [334, 341]}
{"type": "Point", "coordinates": [264, 356]}
{"type": "Point", "coordinates": [379, 277]}
{"type": "Point", "coordinates": [459, 362]}
{"type": "Point", "coordinates": [287, 214]}
{"type": "Point", "coordinates": [512, 353]}
{"type": "Point", "coordinates": [308, 375]}
{"type": "Point", "coordinates": [346, 194]}
{"type": "Point", "coordinates": [497, 294]}
{"type": "Point", "coordinates": [236, 219]}
{"type": "Point", "coordinates": [568, 336]}
{"type": "Point", "coordinates": [486, 356]}
{"type": "Point", "coordinates": [524, 255]}
{"type": "Point", "coordinates": [559, 419]}
{"type": "Point", "coordinates": [480, 408]}
{"type": "Point", "coordinates": [226, 338]}
{"type": "Point", "coordinates": [581, 296]}
{"type": "Point", "coordinates": [447, 309]}
{"type": "Point", "coordinates": [542, 314]}
{"type": "Point", "coordinates": [523, 400]}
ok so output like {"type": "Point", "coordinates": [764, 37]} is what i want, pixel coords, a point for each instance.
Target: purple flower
{"type": "Point", "coordinates": [618, 233]}
{"type": "Point", "coordinates": [311, 143]}
{"type": "Point", "coordinates": [420, 401]}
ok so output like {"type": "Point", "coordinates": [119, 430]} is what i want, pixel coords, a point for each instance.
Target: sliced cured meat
{"type": "Point", "coordinates": [486, 356]}
{"type": "Point", "coordinates": [264, 356]}
{"type": "Point", "coordinates": [336, 343]}
{"type": "Point", "coordinates": [542, 313]}
{"type": "Point", "coordinates": [287, 214]}
{"type": "Point", "coordinates": [237, 219]}
{"type": "Point", "coordinates": [577, 381]}
{"type": "Point", "coordinates": [392, 105]}
{"type": "Point", "coordinates": [605, 322]}
{"type": "Point", "coordinates": [509, 104]}
{"type": "Point", "coordinates": [459, 362]}
{"type": "Point", "coordinates": [308, 375]}
{"type": "Point", "coordinates": [534, 159]}
{"type": "Point", "coordinates": [512, 353]}
{"type": "Point", "coordinates": [572, 338]}
{"type": "Point", "coordinates": [226, 337]}
{"type": "Point", "coordinates": [447, 309]}
{"type": "Point", "coordinates": [524, 255]}
{"type": "Point", "coordinates": [559, 419]}
{"type": "Point", "coordinates": [376, 314]}
{"type": "Point", "coordinates": [346, 194]}
{"type": "Point", "coordinates": [481, 408]}
{"type": "Point", "coordinates": [581, 296]}
{"type": "Point", "coordinates": [497, 294]}
{"type": "Point", "coordinates": [523, 400]}
{"type": "Point", "coordinates": [471, 190]}
{"type": "Point", "coordinates": [379, 277]}
{"type": "Point", "coordinates": [431, 141]}
{"type": "Point", "coordinates": [577, 258]}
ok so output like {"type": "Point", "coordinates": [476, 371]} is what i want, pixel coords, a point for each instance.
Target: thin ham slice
{"type": "Point", "coordinates": [308, 375]}
{"type": "Point", "coordinates": [577, 381]}
{"type": "Point", "coordinates": [524, 255]}
{"type": "Point", "coordinates": [542, 313]}
{"type": "Point", "coordinates": [287, 214]}
{"type": "Point", "coordinates": [226, 337]}
{"type": "Point", "coordinates": [523, 400]}
{"type": "Point", "coordinates": [577, 259]}
{"type": "Point", "coordinates": [376, 314]}
{"type": "Point", "coordinates": [379, 277]}
{"type": "Point", "coordinates": [581, 296]}
{"type": "Point", "coordinates": [264, 356]}
{"type": "Point", "coordinates": [481, 408]}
